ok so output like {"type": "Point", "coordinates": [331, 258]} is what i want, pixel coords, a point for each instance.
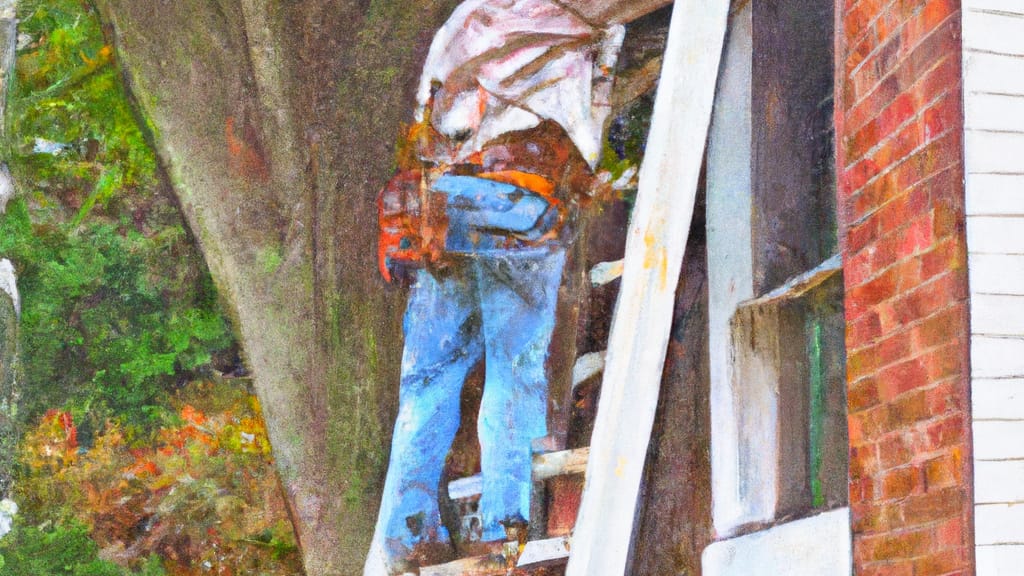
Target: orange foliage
{"type": "Point", "coordinates": [204, 496]}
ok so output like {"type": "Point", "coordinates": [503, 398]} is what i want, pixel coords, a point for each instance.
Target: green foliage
{"type": "Point", "coordinates": [117, 306]}
{"type": "Point", "coordinates": [60, 551]}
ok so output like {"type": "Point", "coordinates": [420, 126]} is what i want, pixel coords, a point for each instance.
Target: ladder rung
{"type": "Point", "coordinates": [476, 566]}
{"type": "Point", "coordinates": [545, 466]}
{"type": "Point", "coordinates": [605, 272]}
{"type": "Point", "coordinates": [539, 553]}
{"type": "Point", "coordinates": [560, 463]}
{"type": "Point", "coordinates": [586, 367]}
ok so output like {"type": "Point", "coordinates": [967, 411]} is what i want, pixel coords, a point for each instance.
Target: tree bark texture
{"type": "Point", "coordinates": [276, 123]}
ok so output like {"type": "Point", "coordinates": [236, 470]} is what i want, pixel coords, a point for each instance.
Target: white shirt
{"type": "Point", "coordinates": [506, 65]}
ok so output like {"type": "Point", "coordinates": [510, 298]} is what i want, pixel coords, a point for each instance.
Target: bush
{"type": "Point", "coordinates": [117, 304]}
{"type": "Point", "coordinates": [61, 551]}
{"type": "Point", "coordinates": [204, 497]}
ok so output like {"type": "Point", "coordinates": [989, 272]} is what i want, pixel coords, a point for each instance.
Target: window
{"type": "Point", "coordinates": [777, 334]}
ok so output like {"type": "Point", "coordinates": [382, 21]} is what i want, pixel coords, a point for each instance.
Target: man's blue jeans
{"type": "Point", "coordinates": [499, 307]}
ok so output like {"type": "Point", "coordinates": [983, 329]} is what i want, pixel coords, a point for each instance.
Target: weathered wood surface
{"type": "Point", "coordinates": [643, 315]}
{"type": "Point", "coordinates": [614, 11]}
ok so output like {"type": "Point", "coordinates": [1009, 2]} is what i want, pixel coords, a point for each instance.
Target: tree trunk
{"type": "Point", "coordinates": [275, 123]}
{"type": "Point", "coordinates": [9, 304]}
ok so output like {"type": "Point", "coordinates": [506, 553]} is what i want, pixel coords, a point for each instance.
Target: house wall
{"type": "Point", "coordinates": [993, 37]}
{"type": "Point", "coordinates": [899, 124]}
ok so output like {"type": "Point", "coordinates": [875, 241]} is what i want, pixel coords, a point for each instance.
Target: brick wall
{"type": "Point", "coordinates": [899, 124]}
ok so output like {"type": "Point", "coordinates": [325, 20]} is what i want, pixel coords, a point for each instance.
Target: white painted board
{"type": "Point", "coordinates": [643, 315]}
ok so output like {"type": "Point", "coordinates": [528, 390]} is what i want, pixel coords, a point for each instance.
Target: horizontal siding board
{"type": "Point", "coordinates": [989, 194]}
{"type": "Point", "coordinates": [993, 31]}
{"type": "Point", "coordinates": [1000, 560]}
{"type": "Point", "coordinates": [1005, 6]}
{"type": "Point", "coordinates": [997, 399]}
{"type": "Point", "coordinates": [995, 235]}
{"type": "Point", "coordinates": [995, 111]}
{"type": "Point", "coordinates": [998, 441]}
{"type": "Point", "coordinates": [999, 482]}
{"type": "Point", "coordinates": [998, 524]}
{"type": "Point", "coordinates": [993, 73]}
{"type": "Point", "coordinates": [994, 152]}
{"type": "Point", "coordinates": [997, 357]}
{"type": "Point", "coordinates": [997, 315]}
{"type": "Point", "coordinates": [996, 273]}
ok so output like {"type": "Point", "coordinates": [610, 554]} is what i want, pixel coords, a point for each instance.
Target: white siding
{"type": "Point", "coordinates": [1000, 560]}
{"type": "Point", "coordinates": [994, 162]}
{"type": "Point", "coordinates": [999, 482]}
{"type": "Point", "coordinates": [998, 399]}
{"type": "Point", "coordinates": [997, 274]}
{"type": "Point", "coordinates": [997, 314]}
{"type": "Point", "coordinates": [993, 357]}
{"type": "Point", "coordinates": [995, 194]}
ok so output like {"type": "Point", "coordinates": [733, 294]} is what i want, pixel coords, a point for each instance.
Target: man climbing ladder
{"type": "Point", "coordinates": [512, 105]}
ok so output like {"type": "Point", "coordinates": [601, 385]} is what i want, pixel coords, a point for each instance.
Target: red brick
{"type": "Point", "coordinates": [862, 394]}
{"type": "Point", "coordinates": [943, 562]}
{"type": "Point", "coordinates": [902, 377]}
{"type": "Point", "coordinates": [861, 364]}
{"type": "Point", "coordinates": [918, 235]}
{"type": "Point", "coordinates": [905, 66]}
{"type": "Point", "coordinates": [858, 19]}
{"type": "Point", "coordinates": [899, 123]}
{"type": "Point", "coordinates": [946, 362]}
{"type": "Point", "coordinates": [946, 326]}
{"type": "Point", "coordinates": [888, 569]}
{"type": "Point", "coordinates": [949, 219]}
{"type": "Point", "coordinates": [908, 410]}
{"type": "Point", "coordinates": [898, 546]}
{"type": "Point", "coordinates": [936, 65]}
{"type": "Point", "coordinates": [874, 519]}
{"type": "Point", "coordinates": [935, 158]}
{"type": "Point", "coordinates": [945, 256]}
{"type": "Point", "coordinates": [935, 506]}
{"type": "Point", "coordinates": [858, 268]}
{"type": "Point", "coordinates": [944, 471]}
{"type": "Point", "coordinates": [947, 396]}
{"type": "Point", "coordinates": [900, 483]}
{"type": "Point", "coordinates": [861, 490]}
{"type": "Point", "coordinates": [867, 424]}
{"type": "Point", "coordinates": [875, 291]}
{"type": "Point", "coordinates": [863, 461]}
{"type": "Point", "coordinates": [902, 208]}
{"type": "Point", "coordinates": [865, 330]}
{"type": "Point", "coordinates": [946, 432]}
{"type": "Point", "coordinates": [929, 298]}
{"type": "Point", "coordinates": [893, 349]}
{"type": "Point", "coordinates": [951, 533]}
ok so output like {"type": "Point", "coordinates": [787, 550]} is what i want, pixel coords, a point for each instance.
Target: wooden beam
{"type": "Point", "coordinates": [476, 566]}
{"type": "Point", "coordinates": [610, 12]}
{"type": "Point", "coordinates": [545, 466]}
{"type": "Point", "coordinates": [643, 314]}
{"type": "Point", "coordinates": [635, 83]}
{"type": "Point", "coordinates": [560, 463]}
{"type": "Point", "coordinates": [548, 552]}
